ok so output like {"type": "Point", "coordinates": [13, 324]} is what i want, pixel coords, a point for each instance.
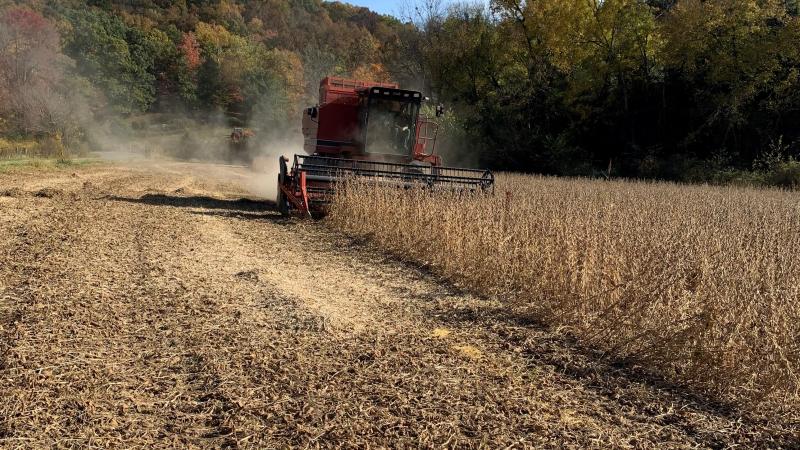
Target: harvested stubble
{"type": "Point", "coordinates": [701, 284]}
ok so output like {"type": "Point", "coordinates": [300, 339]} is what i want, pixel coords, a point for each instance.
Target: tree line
{"type": "Point", "coordinates": [675, 89]}
{"type": "Point", "coordinates": [66, 64]}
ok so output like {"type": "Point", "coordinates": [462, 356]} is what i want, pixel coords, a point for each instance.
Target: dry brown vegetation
{"type": "Point", "coordinates": [700, 284]}
{"type": "Point", "coordinates": [162, 306]}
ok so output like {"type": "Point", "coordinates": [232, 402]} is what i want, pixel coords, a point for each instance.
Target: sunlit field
{"type": "Point", "coordinates": [699, 284]}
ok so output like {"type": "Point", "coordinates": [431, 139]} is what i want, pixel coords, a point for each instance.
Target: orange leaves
{"type": "Point", "coordinates": [372, 72]}
{"type": "Point", "coordinates": [190, 50]}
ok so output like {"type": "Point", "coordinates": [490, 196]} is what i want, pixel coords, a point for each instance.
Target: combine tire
{"type": "Point", "coordinates": [283, 202]}
{"type": "Point", "coordinates": [487, 182]}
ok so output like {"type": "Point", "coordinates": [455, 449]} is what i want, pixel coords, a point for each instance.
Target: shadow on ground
{"type": "Point", "coordinates": [242, 208]}
{"type": "Point", "coordinates": [241, 204]}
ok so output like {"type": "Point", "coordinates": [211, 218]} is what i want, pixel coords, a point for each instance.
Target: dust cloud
{"type": "Point", "coordinates": [263, 179]}
{"type": "Point", "coordinates": [177, 135]}
{"type": "Point", "coordinates": [157, 141]}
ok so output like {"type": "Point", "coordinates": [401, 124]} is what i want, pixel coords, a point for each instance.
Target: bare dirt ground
{"type": "Point", "coordinates": [160, 307]}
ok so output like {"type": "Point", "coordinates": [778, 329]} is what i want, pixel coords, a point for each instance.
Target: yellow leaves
{"type": "Point", "coordinates": [786, 87]}
{"type": "Point", "coordinates": [598, 36]}
{"type": "Point", "coordinates": [138, 21]}
{"type": "Point", "coordinates": [730, 42]}
{"type": "Point", "coordinates": [251, 72]}
{"type": "Point", "coordinates": [229, 10]}
{"type": "Point", "coordinates": [255, 25]}
{"type": "Point", "coordinates": [216, 36]}
{"type": "Point", "coordinates": [563, 27]}
{"type": "Point", "coordinates": [288, 66]}
{"type": "Point", "coordinates": [372, 72]}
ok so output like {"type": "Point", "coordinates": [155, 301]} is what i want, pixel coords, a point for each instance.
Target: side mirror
{"type": "Point", "coordinates": [439, 110]}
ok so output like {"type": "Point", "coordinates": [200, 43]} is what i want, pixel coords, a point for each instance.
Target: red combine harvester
{"type": "Point", "coordinates": [370, 130]}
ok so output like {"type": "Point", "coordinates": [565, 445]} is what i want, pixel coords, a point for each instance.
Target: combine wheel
{"type": "Point", "coordinates": [487, 182]}
{"type": "Point", "coordinates": [283, 202]}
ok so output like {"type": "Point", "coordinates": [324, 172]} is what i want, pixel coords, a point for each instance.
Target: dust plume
{"type": "Point", "coordinates": [263, 179]}
{"type": "Point", "coordinates": [156, 141]}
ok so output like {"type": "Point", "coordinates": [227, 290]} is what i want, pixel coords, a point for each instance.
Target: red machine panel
{"type": "Point", "coordinates": [338, 121]}
{"type": "Point", "coordinates": [331, 88]}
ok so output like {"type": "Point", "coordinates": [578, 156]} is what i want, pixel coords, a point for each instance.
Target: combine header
{"type": "Point", "coordinates": [369, 130]}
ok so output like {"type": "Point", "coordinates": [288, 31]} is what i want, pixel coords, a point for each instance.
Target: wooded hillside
{"type": "Point", "coordinates": [686, 89]}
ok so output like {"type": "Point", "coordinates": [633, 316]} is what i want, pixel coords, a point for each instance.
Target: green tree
{"type": "Point", "coordinates": [739, 59]}
{"type": "Point", "coordinates": [244, 78]}
{"type": "Point", "coordinates": [118, 59]}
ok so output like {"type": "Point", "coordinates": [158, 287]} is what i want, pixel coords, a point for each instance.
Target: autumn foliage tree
{"type": "Point", "coordinates": [190, 50]}
{"type": "Point", "coordinates": [31, 69]}
{"type": "Point", "coordinates": [684, 89]}
{"type": "Point", "coordinates": [679, 89]}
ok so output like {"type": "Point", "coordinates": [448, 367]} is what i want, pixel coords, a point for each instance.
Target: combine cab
{"type": "Point", "coordinates": [371, 130]}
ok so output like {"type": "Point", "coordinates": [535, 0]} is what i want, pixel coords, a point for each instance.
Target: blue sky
{"type": "Point", "coordinates": [401, 7]}
{"type": "Point", "coordinates": [396, 7]}
{"type": "Point", "coordinates": [379, 6]}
